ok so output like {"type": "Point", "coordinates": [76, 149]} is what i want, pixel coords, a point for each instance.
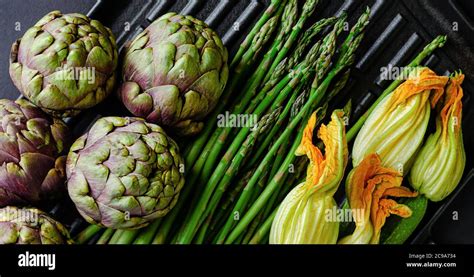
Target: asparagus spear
{"type": "Point", "coordinates": [266, 122]}
{"type": "Point", "coordinates": [194, 222]}
{"type": "Point", "coordinates": [304, 41]}
{"type": "Point", "coordinates": [288, 111]}
{"type": "Point", "coordinates": [355, 32]}
{"type": "Point", "coordinates": [259, 37]}
{"type": "Point", "coordinates": [87, 234]}
{"type": "Point", "coordinates": [327, 51]}
{"type": "Point", "coordinates": [275, 98]}
{"type": "Point", "coordinates": [220, 214]}
{"type": "Point", "coordinates": [252, 228]}
{"type": "Point", "coordinates": [128, 236]}
{"type": "Point", "coordinates": [201, 235]}
{"type": "Point", "coordinates": [293, 104]}
{"type": "Point", "coordinates": [277, 75]}
{"type": "Point", "coordinates": [339, 85]}
{"type": "Point", "coordinates": [247, 61]}
{"type": "Point", "coordinates": [262, 232]}
{"type": "Point", "coordinates": [250, 90]}
{"type": "Point", "coordinates": [286, 183]}
{"type": "Point", "coordinates": [284, 66]}
{"type": "Point", "coordinates": [278, 94]}
{"type": "Point", "coordinates": [264, 177]}
{"type": "Point", "coordinates": [288, 18]}
{"type": "Point", "coordinates": [147, 235]}
{"type": "Point", "coordinates": [258, 42]}
{"type": "Point", "coordinates": [116, 236]}
{"type": "Point", "coordinates": [210, 154]}
{"type": "Point", "coordinates": [246, 193]}
{"type": "Point", "coordinates": [105, 237]}
{"type": "Point", "coordinates": [220, 135]}
{"type": "Point", "coordinates": [302, 44]}
{"type": "Point", "coordinates": [272, 8]}
{"type": "Point", "coordinates": [307, 39]}
{"type": "Point", "coordinates": [308, 9]}
{"type": "Point", "coordinates": [345, 60]}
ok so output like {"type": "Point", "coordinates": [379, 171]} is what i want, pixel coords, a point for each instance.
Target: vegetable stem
{"type": "Point", "coordinates": [86, 234]}
{"type": "Point", "coordinates": [105, 237]}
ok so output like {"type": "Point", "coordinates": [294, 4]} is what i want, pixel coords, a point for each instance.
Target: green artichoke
{"type": "Point", "coordinates": [30, 226]}
{"type": "Point", "coordinates": [124, 173]}
{"type": "Point", "coordinates": [65, 63]}
{"type": "Point", "coordinates": [174, 73]}
{"type": "Point", "coordinates": [32, 164]}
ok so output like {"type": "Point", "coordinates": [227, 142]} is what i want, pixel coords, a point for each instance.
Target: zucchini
{"type": "Point", "coordinates": [397, 230]}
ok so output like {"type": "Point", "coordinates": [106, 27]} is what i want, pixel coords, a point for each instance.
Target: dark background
{"type": "Point", "coordinates": [398, 30]}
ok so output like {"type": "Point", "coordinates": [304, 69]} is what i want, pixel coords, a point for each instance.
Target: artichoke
{"type": "Point", "coordinates": [65, 63]}
{"type": "Point", "coordinates": [30, 226]}
{"type": "Point", "coordinates": [174, 73]}
{"type": "Point", "coordinates": [32, 167]}
{"type": "Point", "coordinates": [124, 173]}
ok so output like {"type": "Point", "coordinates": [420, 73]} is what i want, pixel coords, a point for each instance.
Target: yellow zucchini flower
{"type": "Point", "coordinates": [396, 127]}
{"type": "Point", "coordinates": [368, 188]}
{"type": "Point", "coordinates": [301, 217]}
{"type": "Point", "coordinates": [439, 166]}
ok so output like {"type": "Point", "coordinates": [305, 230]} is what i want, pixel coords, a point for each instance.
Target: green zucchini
{"type": "Point", "coordinates": [397, 230]}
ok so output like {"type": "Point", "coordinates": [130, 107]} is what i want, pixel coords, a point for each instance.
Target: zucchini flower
{"type": "Point", "coordinates": [301, 217]}
{"type": "Point", "coordinates": [439, 166]}
{"type": "Point", "coordinates": [368, 187]}
{"type": "Point", "coordinates": [396, 127]}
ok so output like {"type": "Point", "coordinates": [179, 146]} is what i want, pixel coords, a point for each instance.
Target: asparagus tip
{"type": "Point", "coordinates": [439, 41]}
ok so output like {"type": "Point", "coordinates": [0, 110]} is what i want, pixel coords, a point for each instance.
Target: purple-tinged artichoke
{"type": "Point", "coordinates": [65, 63]}
{"type": "Point", "coordinates": [174, 73]}
{"type": "Point", "coordinates": [30, 226]}
{"type": "Point", "coordinates": [124, 173]}
{"type": "Point", "coordinates": [32, 164]}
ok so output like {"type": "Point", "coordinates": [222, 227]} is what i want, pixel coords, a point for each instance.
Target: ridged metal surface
{"type": "Point", "coordinates": [382, 41]}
